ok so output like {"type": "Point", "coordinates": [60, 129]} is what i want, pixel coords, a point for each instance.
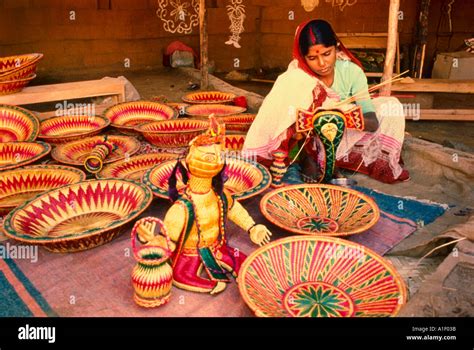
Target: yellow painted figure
{"type": "Point", "coordinates": [196, 221]}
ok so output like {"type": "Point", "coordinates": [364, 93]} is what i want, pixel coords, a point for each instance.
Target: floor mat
{"type": "Point", "coordinates": [18, 296]}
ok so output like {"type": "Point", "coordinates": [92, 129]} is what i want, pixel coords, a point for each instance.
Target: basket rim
{"type": "Point", "coordinates": [28, 78]}
{"type": "Point", "coordinates": [188, 97]}
{"type": "Point", "coordinates": [205, 126]}
{"type": "Point", "coordinates": [46, 148]}
{"type": "Point", "coordinates": [259, 188]}
{"type": "Point", "coordinates": [44, 241]}
{"type": "Point", "coordinates": [34, 168]}
{"type": "Point", "coordinates": [59, 137]}
{"type": "Point", "coordinates": [109, 167]}
{"type": "Point", "coordinates": [58, 155]}
{"type": "Point", "coordinates": [241, 115]}
{"type": "Point", "coordinates": [35, 58]}
{"type": "Point", "coordinates": [341, 242]}
{"type": "Point", "coordinates": [269, 217]}
{"type": "Point", "coordinates": [30, 115]}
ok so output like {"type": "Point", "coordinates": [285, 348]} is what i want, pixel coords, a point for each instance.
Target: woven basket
{"type": "Point", "coordinates": [76, 152]}
{"type": "Point", "coordinates": [126, 116]}
{"type": "Point", "coordinates": [238, 123]}
{"type": "Point", "coordinates": [245, 179]}
{"type": "Point", "coordinates": [70, 128]}
{"type": "Point", "coordinates": [79, 216]}
{"type": "Point", "coordinates": [19, 185]}
{"type": "Point", "coordinates": [18, 67]}
{"type": "Point", "coordinates": [320, 210]}
{"type": "Point", "coordinates": [17, 154]}
{"type": "Point", "coordinates": [234, 142]}
{"type": "Point", "coordinates": [17, 124]}
{"type": "Point", "coordinates": [173, 133]}
{"type": "Point", "coordinates": [320, 277]}
{"type": "Point", "coordinates": [219, 110]}
{"type": "Point", "coordinates": [14, 86]}
{"type": "Point", "coordinates": [209, 97]}
{"type": "Point", "coordinates": [133, 168]}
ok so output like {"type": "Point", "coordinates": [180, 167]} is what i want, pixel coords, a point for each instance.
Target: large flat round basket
{"type": "Point", "coordinates": [79, 216]}
{"type": "Point", "coordinates": [20, 185]}
{"type": "Point", "coordinates": [315, 209]}
{"type": "Point", "coordinates": [209, 97]}
{"type": "Point", "coordinates": [133, 168]}
{"type": "Point", "coordinates": [75, 152]}
{"type": "Point", "coordinates": [17, 124]}
{"type": "Point", "coordinates": [309, 276]}
{"type": "Point", "coordinates": [70, 128]}
{"type": "Point", "coordinates": [219, 110]}
{"type": "Point", "coordinates": [174, 133]}
{"type": "Point", "coordinates": [17, 154]}
{"type": "Point", "coordinates": [245, 179]}
{"type": "Point", "coordinates": [126, 116]}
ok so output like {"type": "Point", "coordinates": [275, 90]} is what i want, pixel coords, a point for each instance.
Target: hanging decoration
{"type": "Point", "coordinates": [309, 5]}
{"type": "Point", "coordinates": [178, 16]}
{"type": "Point", "coordinates": [342, 4]}
{"type": "Point", "coordinates": [236, 13]}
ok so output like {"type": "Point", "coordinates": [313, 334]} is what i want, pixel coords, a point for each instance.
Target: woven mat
{"type": "Point", "coordinates": [18, 296]}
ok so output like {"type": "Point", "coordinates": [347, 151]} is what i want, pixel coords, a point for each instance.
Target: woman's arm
{"type": "Point", "coordinates": [371, 122]}
{"type": "Point", "coordinates": [359, 85]}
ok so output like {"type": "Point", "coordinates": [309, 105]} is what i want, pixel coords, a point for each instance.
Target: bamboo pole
{"type": "Point", "coordinates": [203, 39]}
{"type": "Point", "coordinates": [391, 46]}
{"type": "Point", "coordinates": [421, 38]}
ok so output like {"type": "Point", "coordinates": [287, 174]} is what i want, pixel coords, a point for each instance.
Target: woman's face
{"type": "Point", "coordinates": [321, 59]}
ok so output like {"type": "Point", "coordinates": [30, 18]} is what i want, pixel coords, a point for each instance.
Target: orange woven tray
{"type": "Point", "coordinates": [79, 216]}
{"type": "Point", "coordinates": [17, 124]}
{"type": "Point", "coordinates": [70, 128]}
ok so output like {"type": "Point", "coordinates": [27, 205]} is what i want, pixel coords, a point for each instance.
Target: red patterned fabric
{"type": "Point", "coordinates": [379, 169]}
{"type": "Point", "coordinates": [186, 267]}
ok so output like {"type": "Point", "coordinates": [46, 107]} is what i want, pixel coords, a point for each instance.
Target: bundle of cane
{"type": "Point", "coordinates": [94, 162]}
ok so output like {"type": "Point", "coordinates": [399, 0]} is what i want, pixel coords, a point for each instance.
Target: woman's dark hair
{"type": "Point", "coordinates": [317, 32]}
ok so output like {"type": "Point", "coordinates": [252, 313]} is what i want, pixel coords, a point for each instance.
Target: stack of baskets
{"type": "Point", "coordinates": [16, 72]}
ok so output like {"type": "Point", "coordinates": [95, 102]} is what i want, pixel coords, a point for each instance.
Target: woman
{"type": "Point", "coordinates": [322, 73]}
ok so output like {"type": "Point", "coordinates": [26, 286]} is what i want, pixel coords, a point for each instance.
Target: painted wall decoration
{"type": "Point", "coordinates": [309, 5]}
{"type": "Point", "coordinates": [178, 16]}
{"type": "Point", "coordinates": [342, 4]}
{"type": "Point", "coordinates": [236, 13]}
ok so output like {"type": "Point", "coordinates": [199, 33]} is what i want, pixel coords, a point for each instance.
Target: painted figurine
{"type": "Point", "coordinates": [196, 221]}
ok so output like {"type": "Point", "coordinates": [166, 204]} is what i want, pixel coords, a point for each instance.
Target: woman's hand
{"type": "Point", "coordinates": [370, 122]}
{"type": "Point", "coordinates": [260, 235]}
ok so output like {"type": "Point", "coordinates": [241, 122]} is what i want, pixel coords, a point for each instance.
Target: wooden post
{"type": "Point", "coordinates": [204, 45]}
{"type": "Point", "coordinates": [421, 38]}
{"type": "Point", "coordinates": [391, 46]}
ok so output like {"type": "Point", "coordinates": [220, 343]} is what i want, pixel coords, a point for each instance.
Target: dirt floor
{"type": "Point", "coordinates": [172, 85]}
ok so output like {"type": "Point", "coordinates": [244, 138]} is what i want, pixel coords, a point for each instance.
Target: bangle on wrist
{"type": "Point", "coordinates": [251, 227]}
